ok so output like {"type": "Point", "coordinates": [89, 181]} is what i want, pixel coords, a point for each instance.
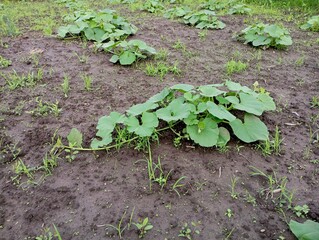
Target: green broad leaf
{"type": "Point", "coordinates": [223, 137]}
{"type": "Point", "coordinates": [253, 129]}
{"type": "Point", "coordinates": [261, 41]}
{"type": "Point", "coordinates": [210, 91]}
{"type": "Point", "coordinates": [106, 124]}
{"type": "Point", "coordinates": [114, 59]}
{"type": "Point", "coordinates": [94, 34]}
{"type": "Point", "coordinates": [309, 230]}
{"type": "Point", "coordinates": [274, 31]}
{"type": "Point", "coordinates": [267, 101]}
{"type": "Point", "coordinates": [248, 103]}
{"type": "Point", "coordinates": [159, 96]}
{"type": "Point", "coordinates": [75, 138]}
{"type": "Point", "coordinates": [146, 129]}
{"type": "Point", "coordinates": [205, 133]}
{"type": "Point", "coordinates": [127, 58]}
{"type": "Point", "coordinates": [191, 97]}
{"type": "Point", "coordinates": [106, 140]}
{"type": "Point", "coordinates": [285, 40]}
{"type": "Point", "coordinates": [182, 87]}
{"type": "Point", "coordinates": [148, 227]}
{"type": "Point", "coordinates": [191, 119]}
{"type": "Point", "coordinates": [142, 107]}
{"type": "Point", "coordinates": [176, 110]}
{"type": "Point", "coordinates": [63, 31]}
{"type": "Point", "coordinates": [222, 100]}
{"type": "Point", "coordinates": [236, 87]}
{"type": "Point", "coordinates": [219, 111]}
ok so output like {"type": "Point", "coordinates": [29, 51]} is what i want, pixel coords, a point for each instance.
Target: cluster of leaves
{"type": "Point", "coordinates": [239, 9]}
{"type": "Point", "coordinates": [177, 12]}
{"type": "Point", "coordinates": [4, 62]}
{"type": "Point", "coordinates": [101, 26]}
{"type": "Point", "coordinates": [206, 114]}
{"type": "Point", "coordinates": [266, 35]}
{"type": "Point", "coordinates": [309, 230]}
{"type": "Point", "coordinates": [312, 24]}
{"type": "Point", "coordinates": [216, 5]}
{"type": "Point", "coordinates": [127, 53]}
{"type": "Point", "coordinates": [153, 6]}
{"type": "Point", "coordinates": [203, 19]}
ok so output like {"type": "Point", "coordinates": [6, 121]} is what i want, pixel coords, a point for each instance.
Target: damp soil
{"type": "Point", "coordinates": [82, 197]}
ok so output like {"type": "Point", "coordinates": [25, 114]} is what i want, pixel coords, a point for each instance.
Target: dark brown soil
{"type": "Point", "coordinates": [82, 197]}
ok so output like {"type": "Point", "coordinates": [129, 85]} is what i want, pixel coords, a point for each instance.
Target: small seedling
{"type": "Point", "coordinates": [82, 58]}
{"type": "Point", "coordinates": [48, 235]}
{"type": "Point", "coordinates": [235, 67]}
{"type": "Point", "coordinates": [229, 213]}
{"type": "Point", "coordinates": [4, 63]}
{"type": "Point", "coordinates": [45, 108]}
{"type": "Point", "coordinates": [14, 80]}
{"type": "Point", "coordinates": [66, 85]}
{"type": "Point", "coordinates": [188, 231]}
{"type": "Point", "coordinates": [87, 82]}
{"type": "Point", "coordinates": [301, 211]}
{"type": "Point", "coordinates": [233, 193]}
{"type": "Point", "coordinates": [177, 185]}
{"type": "Point", "coordinates": [314, 103]}
{"type": "Point", "coordinates": [143, 227]}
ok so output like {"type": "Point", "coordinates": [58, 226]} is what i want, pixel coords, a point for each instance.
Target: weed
{"type": "Point", "coordinates": [66, 85]}
{"type": "Point", "coordinates": [162, 54]}
{"type": "Point", "coordinates": [20, 169]}
{"type": "Point", "coordinates": [4, 62]}
{"type": "Point", "coordinates": [177, 185]}
{"type": "Point", "coordinates": [250, 198]}
{"type": "Point", "coordinates": [119, 227]}
{"type": "Point", "coordinates": [203, 34]}
{"type": "Point", "coordinates": [188, 231]}
{"type": "Point", "coordinates": [49, 235]}
{"type": "Point", "coordinates": [229, 213]}
{"type": "Point", "coordinates": [180, 45]}
{"type": "Point", "coordinates": [275, 186]}
{"type": "Point", "coordinates": [161, 69]}
{"type": "Point", "coordinates": [15, 81]}
{"type": "Point", "coordinates": [235, 67]}
{"type": "Point", "coordinates": [314, 102]}
{"type": "Point", "coordinates": [143, 227]}
{"type": "Point", "coordinates": [49, 163]}
{"type": "Point", "coordinates": [200, 185]}
{"type": "Point", "coordinates": [301, 211]}
{"type": "Point", "coordinates": [45, 108]}
{"type": "Point", "coordinates": [7, 27]}
{"type": "Point", "coordinates": [82, 58]}
{"type": "Point", "coordinates": [233, 193]}
{"type": "Point", "coordinates": [87, 82]}
{"type": "Point", "coordinates": [300, 61]}
{"type": "Point", "coordinates": [268, 147]}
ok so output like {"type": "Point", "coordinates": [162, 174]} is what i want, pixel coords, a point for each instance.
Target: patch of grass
{"type": "Point", "coordinates": [233, 66]}
{"type": "Point", "coordinates": [4, 63]}
{"type": "Point", "coordinates": [30, 15]}
{"type": "Point", "coordinates": [160, 69]}
{"type": "Point", "coordinates": [305, 5]}
{"type": "Point", "coordinates": [45, 108]}
{"type": "Point", "coordinates": [15, 81]}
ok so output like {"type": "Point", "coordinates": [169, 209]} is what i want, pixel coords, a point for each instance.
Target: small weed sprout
{"type": "Point", "coordinates": [250, 199]}
{"type": "Point", "coordinates": [66, 85]}
{"type": "Point", "coordinates": [233, 183]}
{"type": "Point", "coordinates": [4, 63]}
{"type": "Point", "coordinates": [314, 102]}
{"type": "Point", "coordinates": [82, 58]}
{"type": "Point", "coordinates": [87, 82]}
{"type": "Point", "coordinates": [162, 54]}
{"type": "Point", "coordinates": [48, 235]}
{"type": "Point", "coordinates": [143, 227]}
{"type": "Point", "coordinates": [233, 66]}
{"type": "Point", "coordinates": [161, 69]}
{"type": "Point", "coordinates": [15, 81]}
{"type": "Point", "coordinates": [178, 185]}
{"type": "Point", "coordinates": [268, 147]}
{"type": "Point", "coordinates": [301, 211]}
{"type": "Point", "coordinates": [300, 61]}
{"type": "Point", "coordinates": [45, 108]}
{"type": "Point", "coordinates": [188, 231]}
{"type": "Point", "coordinates": [229, 213]}
{"type": "Point", "coordinates": [119, 228]}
